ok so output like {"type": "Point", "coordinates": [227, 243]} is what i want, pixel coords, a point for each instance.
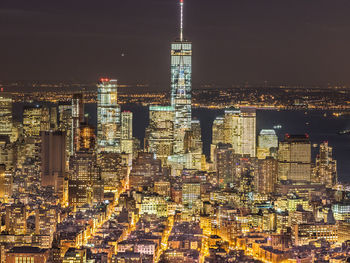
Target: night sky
{"type": "Point", "coordinates": [234, 41]}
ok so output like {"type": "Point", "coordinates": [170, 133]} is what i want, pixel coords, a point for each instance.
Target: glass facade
{"type": "Point", "coordinates": [108, 116]}
{"type": "Point", "coordinates": [181, 83]}
{"type": "Point", "coordinates": [240, 130]}
{"type": "Point", "coordinates": [5, 115]}
{"type": "Point", "coordinates": [126, 132]}
{"type": "Point", "coordinates": [160, 132]}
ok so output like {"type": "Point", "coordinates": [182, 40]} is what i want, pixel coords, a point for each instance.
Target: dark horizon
{"type": "Point", "coordinates": [294, 42]}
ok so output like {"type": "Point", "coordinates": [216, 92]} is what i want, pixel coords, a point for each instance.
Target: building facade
{"type": "Point", "coordinates": [294, 158]}
{"type": "Point", "coordinates": [240, 130]}
{"type": "Point", "coordinates": [108, 116]}
{"type": "Point", "coordinates": [5, 115]}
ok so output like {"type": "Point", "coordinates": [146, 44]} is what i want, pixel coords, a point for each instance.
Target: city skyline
{"type": "Point", "coordinates": [242, 174]}
{"type": "Point", "coordinates": [289, 42]}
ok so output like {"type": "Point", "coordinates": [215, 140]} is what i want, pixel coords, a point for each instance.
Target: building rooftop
{"type": "Point", "coordinates": [27, 250]}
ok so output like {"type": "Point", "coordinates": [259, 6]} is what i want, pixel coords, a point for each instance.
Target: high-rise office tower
{"type": "Point", "coordinates": [5, 114]}
{"type": "Point", "coordinates": [77, 118]}
{"type": "Point", "coordinates": [32, 120]}
{"type": "Point", "coordinates": [85, 183]}
{"type": "Point", "coordinates": [53, 119]}
{"type": "Point", "coordinates": [126, 132]}
{"type": "Point", "coordinates": [294, 158]}
{"type": "Point", "coordinates": [194, 136]}
{"type": "Point", "coordinates": [193, 146]}
{"type": "Point", "coordinates": [181, 86]}
{"type": "Point", "coordinates": [53, 160]}
{"type": "Point", "coordinates": [218, 130]}
{"type": "Point", "coordinates": [325, 171]}
{"type": "Point", "coordinates": [266, 178]}
{"type": "Point", "coordinates": [108, 116]}
{"type": "Point", "coordinates": [224, 164]}
{"type": "Point", "coordinates": [86, 140]}
{"type": "Point", "coordinates": [65, 124]}
{"type": "Point", "coordinates": [267, 144]}
{"type": "Point", "coordinates": [160, 132]}
{"type": "Point", "coordinates": [45, 119]}
{"type": "Point", "coordinates": [240, 130]}
{"type": "Point", "coordinates": [218, 135]}
{"type": "Point", "coordinates": [248, 131]}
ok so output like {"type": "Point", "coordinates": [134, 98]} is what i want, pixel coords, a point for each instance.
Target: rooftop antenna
{"type": "Point", "coordinates": [181, 20]}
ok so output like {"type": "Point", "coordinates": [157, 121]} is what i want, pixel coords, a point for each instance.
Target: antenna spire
{"type": "Point", "coordinates": [181, 20]}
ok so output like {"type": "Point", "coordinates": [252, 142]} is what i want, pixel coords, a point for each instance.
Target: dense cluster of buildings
{"type": "Point", "coordinates": [71, 192]}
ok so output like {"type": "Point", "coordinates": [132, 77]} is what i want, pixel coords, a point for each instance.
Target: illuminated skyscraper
{"type": "Point", "coordinates": [32, 121]}
{"type": "Point", "coordinates": [53, 118]}
{"type": "Point", "coordinates": [218, 135]}
{"type": "Point", "coordinates": [224, 164]}
{"type": "Point", "coordinates": [294, 158]}
{"type": "Point", "coordinates": [45, 119]}
{"type": "Point", "coordinates": [193, 146]}
{"type": "Point", "coordinates": [65, 124]}
{"type": "Point", "coordinates": [85, 182]}
{"type": "Point", "coordinates": [181, 86]}
{"type": "Point", "coordinates": [218, 130]}
{"type": "Point", "coordinates": [193, 138]}
{"type": "Point", "coordinates": [325, 171]}
{"type": "Point", "coordinates": [160, 132]}
{"type": "Point", "coordinates": [267, 144]}
{"type": "Point", "coordinates": [108, 117]}
{"type": "Point", "coordinates": [86, 140]}
{"type": "Point", "coordinates": [266, 178]}
{"type": "Point", "coordinates": [240, 130]}
{"type": "Point", "coordinates": [126, 132]}
{"type": "Point", "coordinates": [77, 118]}
{"type": "Point", "coordinates": [5, 115]}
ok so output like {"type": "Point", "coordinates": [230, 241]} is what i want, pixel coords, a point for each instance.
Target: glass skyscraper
{"type": "Point", "coordinates": [240, 130]}
{"type": "Point", "coordinates": [5, 115]}
{"type": "Point", "coordinates": [181, 87]}
{"type": "Point", "coordinates": [126, 132]}
{"type": "Point", "coordinates": [160, 132]}
{"type": "Point", "coordinates": [267, 144]}
{"type": "Point", "coordinates": [108, 117]}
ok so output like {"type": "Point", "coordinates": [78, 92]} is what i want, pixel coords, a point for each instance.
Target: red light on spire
{"type": "Point", "coordinates": [181, 1]}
